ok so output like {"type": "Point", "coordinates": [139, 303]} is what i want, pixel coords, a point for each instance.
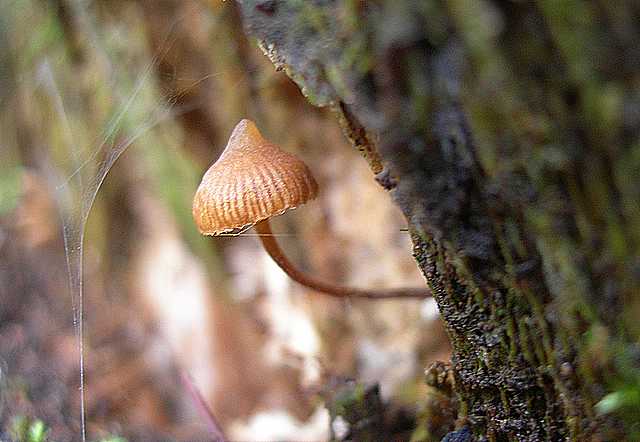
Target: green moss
{"type": "Point", "coordinates": [465, 275]}
{"type": "Point", "coordinates": [504, 399]}
{"type": "Point", "coordinates": [315, 95]}
{"type": "Point", "coordinates": [477, 24]}
{"type": "Point", "coordinates": [421, 433]}
{"type": "Point", "coordinates": [525, 342]}
{"type": "Point", "coordinates": [356, 56]}
{"type": "Point", "coordinates": [511, 331]}
{"type": "Point", "coordinates": [545, 350]}
{"type": "Point", "coordinates": [310, 16]}
{"type": "Point", "coordinates": [337, 80]}
{"type": "Point", "coordinates": [350, 16]}
{"type": "Point", "coordinates": [361, 408]}
{"type": "Point", "coordinates": [602, 104]}
{"type": "Point", "coordinates": [348, 399]}
{"type": "Point", "coordinates": [420, 94]}
{"type": "Point", "coordinates": [572, 25]}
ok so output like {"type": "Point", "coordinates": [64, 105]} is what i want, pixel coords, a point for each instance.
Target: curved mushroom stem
{"type": "Point", "coordinates": [274, 250]}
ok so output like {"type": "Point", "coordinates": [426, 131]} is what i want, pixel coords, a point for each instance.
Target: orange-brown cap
{"type": "Point", "coordinates": [252, 180]}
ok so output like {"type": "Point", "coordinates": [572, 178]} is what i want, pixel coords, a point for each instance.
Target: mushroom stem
{"type": "Point", "coordinates": [273, 249]}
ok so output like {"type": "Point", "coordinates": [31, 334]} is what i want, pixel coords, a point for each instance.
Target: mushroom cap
{"type": "Point", "coordinates": [251, 181]}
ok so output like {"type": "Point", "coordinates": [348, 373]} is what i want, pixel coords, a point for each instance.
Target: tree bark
{"type": "Point", "coordinates": [508, 134]}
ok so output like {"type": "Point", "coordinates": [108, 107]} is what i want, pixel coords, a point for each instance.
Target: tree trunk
{"type": "Point", "coordinates": [508, 133]}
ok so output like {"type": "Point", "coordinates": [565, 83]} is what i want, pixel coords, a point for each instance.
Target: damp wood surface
{"type": "Point", "coordinates": [508, 134]}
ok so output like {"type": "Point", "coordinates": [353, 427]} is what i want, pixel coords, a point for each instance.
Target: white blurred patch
{"type": "Point", "coordinates": [388, 364]}
{"type": "Point", "coordinates": [429, 310]}
{"type": "Point", "coordinates": [246, 279]}
{"type": "Point", "coordinates": [276, 281]}
{"type": "Point", "coordinates": [278, 425]}
{"type": "Point", "coordinates": [175, 286]}
{"type": "Point", "coordinates": [292, 330]}
{"type": "Point", "coordinates": [340, 427]}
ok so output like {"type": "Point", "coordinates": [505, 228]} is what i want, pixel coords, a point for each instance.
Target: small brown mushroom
{"type": "Point", "coordinates": [254, 180]}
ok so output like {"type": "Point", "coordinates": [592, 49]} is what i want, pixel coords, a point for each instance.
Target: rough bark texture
{"type": "Point", "coordinates": [508, 133]}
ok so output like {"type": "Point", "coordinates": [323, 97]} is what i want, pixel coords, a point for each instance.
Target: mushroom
{"type": "Point", "coordinates": [254, 180]}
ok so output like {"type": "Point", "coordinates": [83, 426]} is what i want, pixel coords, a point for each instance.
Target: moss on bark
{"type": "Point", "coordinates": [508, 133]}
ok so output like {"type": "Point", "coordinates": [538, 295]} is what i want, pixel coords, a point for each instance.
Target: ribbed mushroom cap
{"type": "Point", "coordinates": [252, 180]}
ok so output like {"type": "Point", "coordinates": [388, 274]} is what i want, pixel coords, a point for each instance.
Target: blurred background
{"type": "Point", "coordinates": [144, 95]}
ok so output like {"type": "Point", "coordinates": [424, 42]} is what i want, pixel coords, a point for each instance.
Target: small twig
{"type": "Point", "coordinates": [203, 407]}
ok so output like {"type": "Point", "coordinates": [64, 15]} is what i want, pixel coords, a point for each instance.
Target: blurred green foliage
{"type": "Point", "coordinates": [624, 400]}
{"type": "Point", "coordinates": [10, 188]}
{"type": "Point", "coordinates": [24, 429]}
